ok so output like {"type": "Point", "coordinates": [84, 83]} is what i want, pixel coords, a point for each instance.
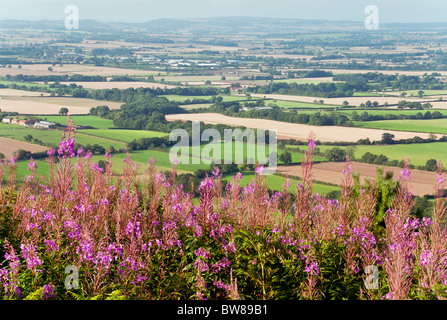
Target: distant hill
{"type": "Point", "coordinates": [222, 25]}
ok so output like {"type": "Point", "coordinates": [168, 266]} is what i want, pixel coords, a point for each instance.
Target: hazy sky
{"type": "Point", "coordinates": [145, 10]}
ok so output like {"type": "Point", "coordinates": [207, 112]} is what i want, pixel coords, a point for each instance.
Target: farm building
{"type": "Point", "coordinates": [6, 120]}
{"type": "Point", "coordinates": [14, 121]}
{"type": "Point", "coordinates": [45, 125]}
{"type": "Point", "coordinates": [26, 123]}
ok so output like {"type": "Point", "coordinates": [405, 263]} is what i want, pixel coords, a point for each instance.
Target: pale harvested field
{"type": "Point", "coordinates": [51, 105]}
{"type": "Point", "coordinates": [295, 130]}
{"type": "Point", "coordinates": [9, 146]}
{"type": "Point", "coordinates": [70, 69]}
{"type": "Point", "coordinates": [120, 85]}
{"type": "Point", "coordinates": [408, 73]}
{"type": "Point", "coordinates": [422, 182]}
{"type": "Point", "coordinates": [353, 101]}
{"type": "Point", "coordinates": [6, 92]}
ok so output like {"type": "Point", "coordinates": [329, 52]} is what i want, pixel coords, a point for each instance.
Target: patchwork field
{"type": "Point", "coordinates": [422, 182]}
{"type": "Point", "coordinates": [52, 137]}
{"type": "Point", "coordinates": [243, 151]}
{"type": "Point", "coordinates": [298, 131]}
{"type": "Point", "coordinates": [275, 182]}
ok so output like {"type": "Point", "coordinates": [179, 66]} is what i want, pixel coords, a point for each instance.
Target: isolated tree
{"type": "Point", "coordinates": [2, 156]}
{"type": "Point", "coordinates": [63, 111]}
{"type": "Point", "coordinates": [28, 138]}
{"type": "Point", "coordinates": [431, 165]}
{"type": "Point", "coordinates": [387, 138]}
{"type": "Point", "coordinates": [286, 158]}
{"type": "Point", "coordinates": [421, 93]}
{"type": "Point", "coordinates": [350, 151]}
{"type": "Point", "coordinates": [335, 154]}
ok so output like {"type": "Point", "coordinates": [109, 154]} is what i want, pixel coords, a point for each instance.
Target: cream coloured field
{"type": "Point", "coordinates": [52, 105]}
{"type": "Point", "coordinates": [70, 69]}
{"type": "Point", "coordinates": [6, 92]}
{"type": "Point", "coordinates": [295, 130]}
{"type": "Point", "coordinates": [120, 85]}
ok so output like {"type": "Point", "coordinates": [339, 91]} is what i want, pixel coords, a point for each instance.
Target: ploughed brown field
{"type": "Point", "coordinates": [9, 146]}
{"type": "Point", "coordinates": [296, 130]}
{"type": "Point", "coordinates": [422, 182]}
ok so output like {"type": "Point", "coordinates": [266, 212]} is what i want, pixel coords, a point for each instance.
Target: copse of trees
{"type": "Point", "coordinates": [323, 89]}
{"type": "Point", "coordinates": [379, 81]}
{"type": "Point", "coordinates": [55, 78]}
{"type": "Point", "coordinates": [365, 116]}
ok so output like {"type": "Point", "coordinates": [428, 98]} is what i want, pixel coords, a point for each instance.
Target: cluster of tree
{"type": "Point", "coordinates": [380, 81]}
{"type": "Point", "coordinates": [380, 159]}
{"type": "Point", "coordinates": [222, 43]}
{"type": "Point", "coordinates": [365, 116]}
{"type": "Point", "coordinates": [388, 138]}
{"type": "Point", "coordinates": [54, 78]}
{"type": "Point", "coordinates": [413, 105]}
{"type": "Point", "coordinates": [292, 116]}
{"type": "Point", "coordinates": [137, 38]}
{"type": "Point", "coordinates": [137, 94]}
{"type": "Point", "coordinates": [257, 77]}
{"type": "Point", "coordinates": [191, 181]}
{"type": "Point", "coordinates": [322, 89]}
{"type": "Point", "coordinates": [26, 155]}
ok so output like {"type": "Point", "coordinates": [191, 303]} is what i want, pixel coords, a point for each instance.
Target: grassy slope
{"type": "Point", "coordinates": [432, 125]}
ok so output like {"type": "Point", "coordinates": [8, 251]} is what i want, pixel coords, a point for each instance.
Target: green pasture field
{"type": "Point", "coordinates": [93, 121]}
{"type": "Point", "coordinates": [27, 84]}
{"type": "Point", "coordinates": [428, 126]}
{"type": "Point", "coordinates": [426, 92]}
{"type": "Point", "coordinates": [240, 151]}
{"type": "Point", "coordinates": [367, 94]}
{"type": "Point", "coordinates": [124, 135]}
{"type": "Point", "coordinates": [275, 182]}
{"type": "Point", "coordinates": [417, 153]}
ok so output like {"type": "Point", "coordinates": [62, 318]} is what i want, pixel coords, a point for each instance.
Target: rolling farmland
{"type": "Point", "coordinates": [296, 131]}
